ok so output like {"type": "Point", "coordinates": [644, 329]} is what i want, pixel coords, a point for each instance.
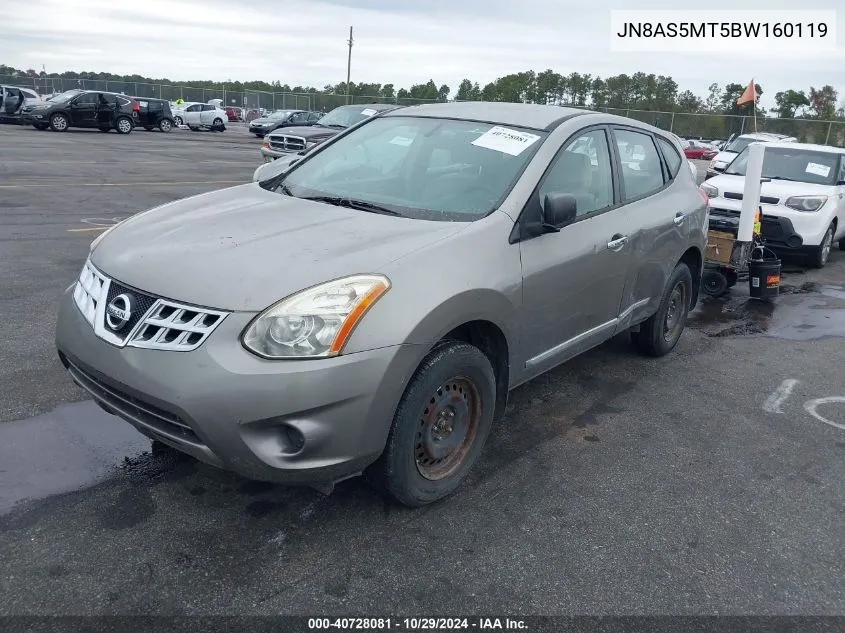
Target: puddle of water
{"type": "Point", "coordinates": [72, 447]}
{"type": "Point", "coordinates": [800, 313]}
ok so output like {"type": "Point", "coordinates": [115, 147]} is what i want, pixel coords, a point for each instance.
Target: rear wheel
{"type": "Point", "coordinates": [165, 125]}
{"type": "Point", "coordinates": [440, 426]}
{"type": "Point", "coordinates": [821, 253]}
{"type": "Point", "coordinates": [123, 125]}
{"type": "Point", "coordinates": [59, 122]}
{"type": "Point", "coordinates": [660, 333]}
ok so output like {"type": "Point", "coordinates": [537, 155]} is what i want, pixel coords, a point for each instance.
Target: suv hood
{"type": "Point", "coordinates": [780, 189]}
{"type": "Point", "coordinates": [310, 133]}
{"type": "Point", "coordinates": [244, 248]}
{"type": "Point", "coordinates": [725, 157]}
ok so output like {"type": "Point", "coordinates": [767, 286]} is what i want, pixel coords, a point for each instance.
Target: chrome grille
{"type": "Point", "coordinates": [284, 143]}
{"type": "Point", "coordinates": [173, 326]}
{"type": "Point", "coordinates": [156, 323]}
{"type": "Point", "coordinates": [91, 288]}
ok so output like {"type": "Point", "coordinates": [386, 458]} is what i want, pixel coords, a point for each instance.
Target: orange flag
{"type": "Point", "coordinates": [750, 94]}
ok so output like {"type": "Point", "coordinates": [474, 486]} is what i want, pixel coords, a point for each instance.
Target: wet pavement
{"type": "Point", "coordinates": [709, 481]}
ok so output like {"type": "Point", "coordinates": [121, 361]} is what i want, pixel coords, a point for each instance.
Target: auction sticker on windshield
{"type": "Point", "coordinates": [505, 140]}
{"type": "Point", "coordinates": [818, 170]}
{"type": "Point", "coordinates": [368, 112]}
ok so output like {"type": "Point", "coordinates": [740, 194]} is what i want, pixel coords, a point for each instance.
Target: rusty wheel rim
{"type": "Point", "coordinates": [448, 426]}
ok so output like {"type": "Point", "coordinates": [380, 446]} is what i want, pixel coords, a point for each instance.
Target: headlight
{"type": "Point", "coordinates": [806, 203]}
{"type": "Point", "coordinates": [317, 322]}
{"type": "Point", "coordinates": [710, 190]}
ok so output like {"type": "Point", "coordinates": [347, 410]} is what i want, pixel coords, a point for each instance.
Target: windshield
{"type": "Point", "coordinates": [431, 169]}
{"type": "Point", "coordinates": [740, 143]}
{"type": "Point", "coordinates": [65, 96]}
{"type": "Point", "coordinates": [346, 116]}
{"type": "Point", "coordinates": [800, 165]}
{"type": "Point", "coordinates": [278, 115]}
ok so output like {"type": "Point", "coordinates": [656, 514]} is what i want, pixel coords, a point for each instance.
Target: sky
{"type": "Point", "coordinates": [403, 42]}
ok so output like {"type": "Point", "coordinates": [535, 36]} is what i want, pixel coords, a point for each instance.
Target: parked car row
{"type": "Point", "coordinates": [283, 118]}
{"type": "Point", "coordinates": [108, 111]}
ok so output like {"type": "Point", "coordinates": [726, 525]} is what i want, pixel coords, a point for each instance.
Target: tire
{"type": "Point", "coordinates": [714, 283]}
{"type": "Point", "coordinates": [59, 122]}
{"type": "Point", "coordinates": [123, 125]}
{"type": "Point", "coordinates": [165, 125]}
{"type": "Point", "coordinates": [653, 339]}
{"type": "Point", "coordinates": [411, 470]}
{"type": "Point", "coordinates": [178, 120]}
{"type": "Point", "coordinates": [217, 122]}
{"type": "Point", "coordinates": [820, 254]}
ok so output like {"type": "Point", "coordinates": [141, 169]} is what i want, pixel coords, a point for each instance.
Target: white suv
{"type": "Point", "coordinates": [732, 149]}
{"type": "Point", "coordinates": [802, 197]}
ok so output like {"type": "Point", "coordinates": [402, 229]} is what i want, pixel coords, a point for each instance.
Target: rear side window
{"type": "Point", "coordinates": [673, 159]}
{"type": "Point", "coordinates": [642, 171]}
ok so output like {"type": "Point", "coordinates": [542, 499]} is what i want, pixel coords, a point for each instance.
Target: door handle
{"type": "Point", "coordinates": [617, 242]}
{"type": "Point", "coordinates": [679, 218]}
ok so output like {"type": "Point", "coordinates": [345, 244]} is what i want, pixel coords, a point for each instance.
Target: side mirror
{"type": "Point", "coordinates": [559, 209]}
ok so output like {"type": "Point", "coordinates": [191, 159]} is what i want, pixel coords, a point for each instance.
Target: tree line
{"type": "Point", "coordinates": [640, 91]}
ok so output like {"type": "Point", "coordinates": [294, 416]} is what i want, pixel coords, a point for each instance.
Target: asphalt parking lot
{"type": "Point", "coordinates": [707, 482]}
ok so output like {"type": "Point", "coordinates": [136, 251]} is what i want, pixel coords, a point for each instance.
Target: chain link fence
{"type": "Point", "coordinates": [700, 125]}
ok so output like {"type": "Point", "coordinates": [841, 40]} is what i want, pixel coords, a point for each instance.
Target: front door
{"type": "Point", "coordinates": [83, 110]}
{"type": "Point", "coordinates": [192, 115]}
{"type": "Point", "coordinates": [573, 280]}
{"type": "Point", "coordinates": [12, 102]}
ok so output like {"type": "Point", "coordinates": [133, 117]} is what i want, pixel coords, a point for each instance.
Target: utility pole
{"type": "Point", "coordinates": [349, 66]}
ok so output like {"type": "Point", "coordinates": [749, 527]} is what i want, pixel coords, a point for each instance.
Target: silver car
{"type": "Point", "coordinates": [368, 309]}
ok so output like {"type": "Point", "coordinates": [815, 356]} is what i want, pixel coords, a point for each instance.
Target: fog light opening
{"type": "Point", "coordinates": [292, 438]}
{"type": "Point", "coordinates": [794, 241]}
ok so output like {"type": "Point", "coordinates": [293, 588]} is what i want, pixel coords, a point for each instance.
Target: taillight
{"type": "Point", "coordinates": [704, 196]}
{"type": "Point", "coordinates": [135, 106]}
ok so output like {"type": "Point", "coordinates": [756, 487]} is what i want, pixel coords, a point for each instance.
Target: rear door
{"type": "Point", "coordinates": [573, 279]}
{"type": "Point", "coordinates": [208, 114]}
{"type": "Point", "coordinates": [659, 213]}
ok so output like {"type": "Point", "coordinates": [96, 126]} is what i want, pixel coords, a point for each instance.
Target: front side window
{"type": "Point", "coordinates": [800, 165]}
{"type": "Point", "coordinates": [432, 169]}
{"type": "Point", "coordinates": [582, 169]}
{"type": "Point", "coordinates": [642, 172]}
{"type": "Point", "coordinates": [88, 99]}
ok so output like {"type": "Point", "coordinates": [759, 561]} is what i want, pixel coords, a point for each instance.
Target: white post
{"type": "Point", "coordinates": [751, 193]}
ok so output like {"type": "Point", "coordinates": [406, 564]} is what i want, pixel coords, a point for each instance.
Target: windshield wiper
{"type": "Point", "coordinates": [361, 205]}
{"type": "Point", "coordinates": [780, 178]}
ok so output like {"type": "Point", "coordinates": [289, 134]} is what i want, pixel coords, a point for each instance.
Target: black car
{"type": "Point", "coordinates": [83, 108]}
{"type": "Point", "coordinates": [154, 113]}
{"type": "Point", "coordinates": [282, 118]}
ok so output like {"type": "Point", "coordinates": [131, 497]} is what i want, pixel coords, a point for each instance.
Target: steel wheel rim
{"type": "Point", "coordinates": [674, 312]}
{"type": "Point", "coordinates": [826, 245]}
{"type": "Point", "coordinates": [712, 284]}
{"type": "Point", "coordinates": [448, 426]}
{"type": "Point", "coordinates": [60, 122]}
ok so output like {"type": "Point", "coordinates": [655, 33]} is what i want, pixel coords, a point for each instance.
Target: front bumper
{"type": "Point", "coordinates": [230, 409]}
{"type": "Point", "coordinates": [269, 155]}
{"type": "Point", "coordinates": [780, 223]}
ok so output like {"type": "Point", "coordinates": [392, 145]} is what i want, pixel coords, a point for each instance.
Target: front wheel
{"type": "Point", "coordinates": [440, 426]}
{"type": "Point", "coordinates": [821, 253]}
{"type": "Point", "coordinates": [59, 122]}
{"type": "Point", "coordinates": [659, 334]}
{"type": "Point", "coordinates": [123, 125]}
{"type": "Point", "coordinates": [178, 120]}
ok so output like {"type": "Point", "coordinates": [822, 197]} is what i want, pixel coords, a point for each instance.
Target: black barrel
{"type": "Point", "coordinates": [763, 274]}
